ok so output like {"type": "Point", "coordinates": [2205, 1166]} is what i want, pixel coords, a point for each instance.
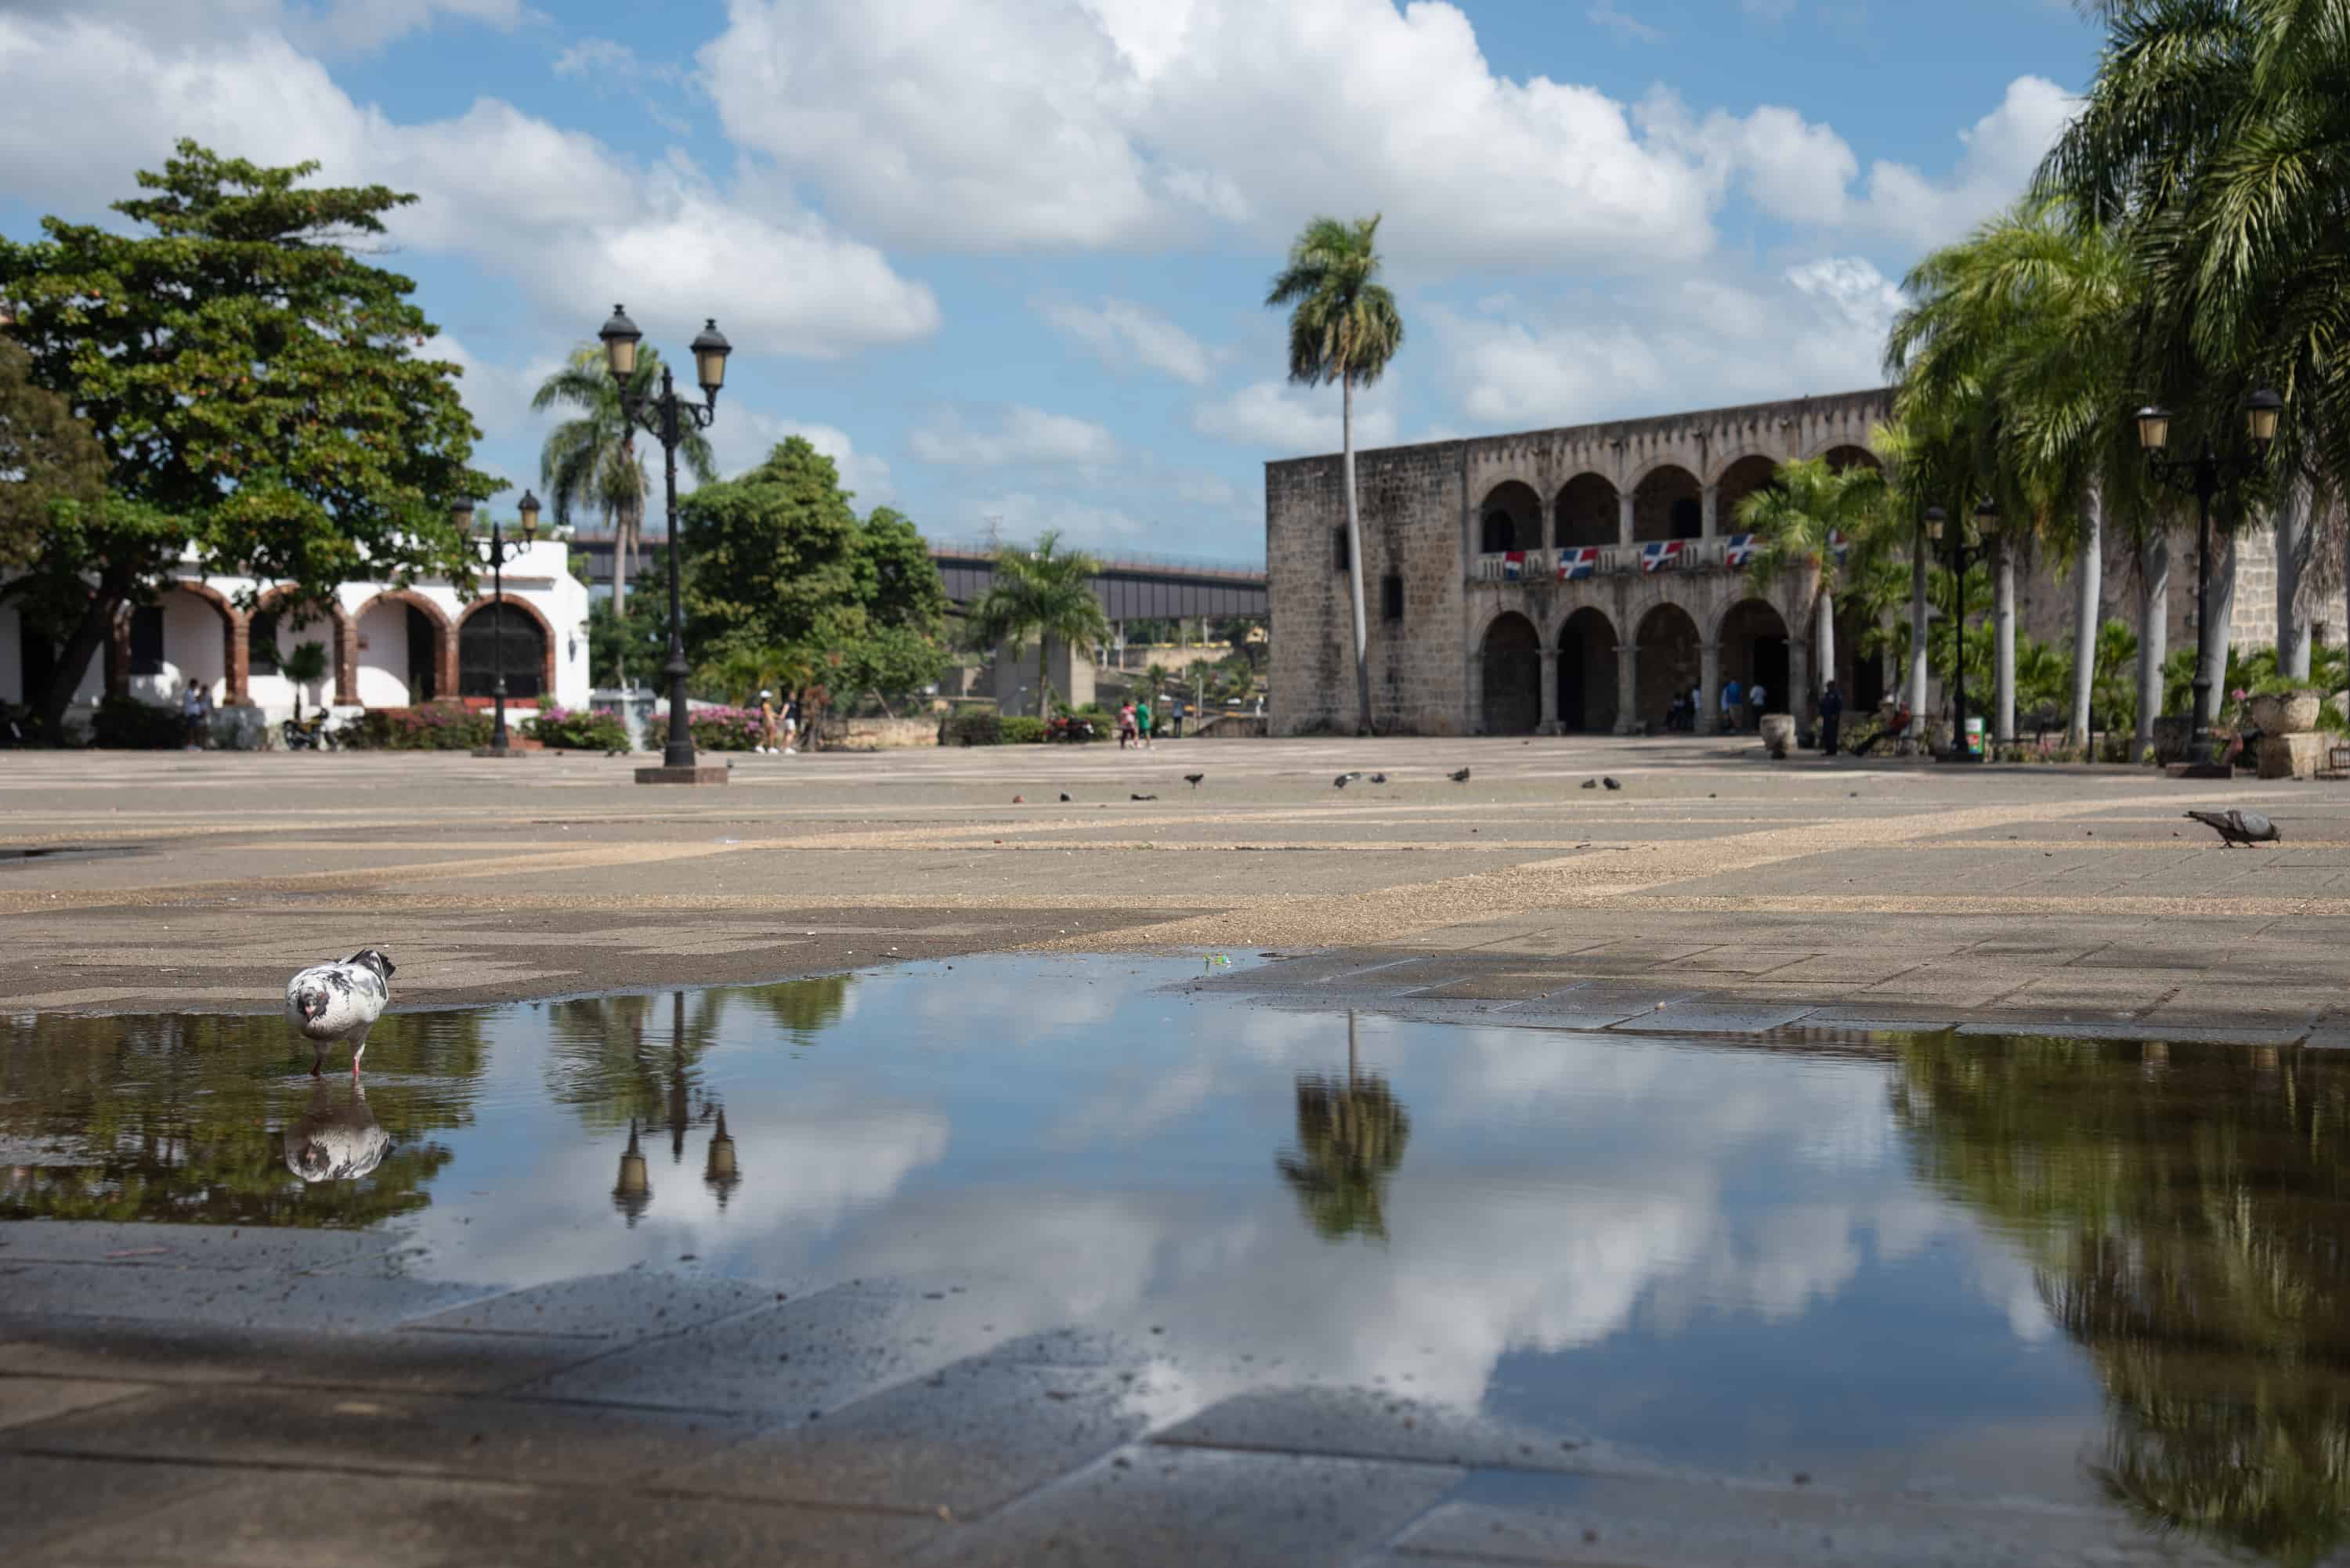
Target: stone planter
{"type": "Point", "coordinates": [1778, 733]}
{"type": "Point", "coordinates": [2297, 713]}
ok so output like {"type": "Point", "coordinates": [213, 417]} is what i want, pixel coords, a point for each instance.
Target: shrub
{"type": "Point", "coordinates": [1022, 732]}
{"type": "Point", "coordinates": [435, 727]}
{"type": "Point", "coordinates": [713, 729]}
{"type": "Point", "coordinates": [125, 723]}
{"type": "Point", "coordinates": [578, 729]}
{"type": "Point", "coordinates": [979, 727]}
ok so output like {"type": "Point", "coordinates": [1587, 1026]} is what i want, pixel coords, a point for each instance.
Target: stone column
{"type": "Point", "coordinates": [1624, 520]}
{"type": "Point", "coordinates": [239, 651]}
{"type": "Point", "coordinates": [1477, 694]}
{"type": "Point", "coordinates": [1709, 699]}
{"type": "Point", "coordinates": [1799, 679]}
{"type": "Point", "coordinates": [444, 676]}
{"type": "Point", "coordinates": [1627, 687]}
{"type": "Point", "coordinates": [1708, 510]}
{"type": "Point", "coordinates": [346, 660]}
{"type": "Point", "coordinates": [1550, 691]}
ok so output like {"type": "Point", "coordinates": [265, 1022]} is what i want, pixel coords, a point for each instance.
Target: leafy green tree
{"type": "Point", "coordinates": [256, 390]}
{"type": "Point", "coordinates": [49, 454]}
{"type": "Point", "coordinates": [1046, 593]}
{"type": "Point", "coordinates": [304, 665]}
{"type": "Point", "coordinates": [1798, 513]}
{"type": "Point", "coordinates": [590, 462]}
{"type": "Point", "coordinates": [1343, 327]}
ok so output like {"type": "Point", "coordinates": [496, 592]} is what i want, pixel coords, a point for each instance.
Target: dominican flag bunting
{"type": "Point", "coordinates": [1514, 566]}
{"type": "Point", "coordinates": [1664, 553]}
{"type": "Point", "coordinates": [1573, 563]}
{"type": "Point", "coordinates": [1838, 544]}
{"type": "Point", "coordinates": [1738, 551]}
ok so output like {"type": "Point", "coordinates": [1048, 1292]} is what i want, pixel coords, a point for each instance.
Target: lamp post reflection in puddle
{"type": "Point", "coordinates": [633, 1193]}
{"type": "Point", "coordinates": [720, 1174]}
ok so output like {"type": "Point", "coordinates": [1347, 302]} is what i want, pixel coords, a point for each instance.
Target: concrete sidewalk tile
{"type": "Point", "coordinates": [1156, 1505]}
{"type": "Point", "coordinates": [26, 1400]}
{"type": "Point", "coordinates": [228, 1298]}
{"type": "Point", "coordinates": [296, 1522]}
{"type": "Point", "coordinates": [629, 1305]}
{"type": "Point", "coordinates": [482, 1439]}
{"type": "Point", "coordinates": [134, 1245]}
{"type": "Point", "coordinates": [43, 1500]}
{"type": "Point", "coordinates": [967, 1437]}
{"type": "Point", "coordinates": [813, 1353]}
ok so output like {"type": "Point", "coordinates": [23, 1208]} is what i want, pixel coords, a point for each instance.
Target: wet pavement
{"type": "Point", "coordinates": [1105, 1260]}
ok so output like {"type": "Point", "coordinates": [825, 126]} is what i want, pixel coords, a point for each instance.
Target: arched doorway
{"type": "Point", "coordinates": [1739, 481]}
{"type": "Point", "coordinates": [1840, 458]}
{"type": "Point", "coordinates": [1513, 678]}
{"type": "Point", "coordinates": [1861, 671]}
{"type": "Point", "coordinates": [1754, 648]}
{"type": "Point", "coordinates": [501, 635]}
{"type": "Point", "coordinates": [1511, 519]}
{"type": "Point", "coordinates": [1586, 674]}
{"type": "Point", "coordinates": [1586, 512]}
{"type": "Point", "coordinates": [1669, 664]}
{"type": "Point", "coordinates": [1667, 504]}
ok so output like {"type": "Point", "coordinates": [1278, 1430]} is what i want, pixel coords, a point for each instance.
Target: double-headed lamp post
{"type": "Point", "coordinates": [1986, 514]}
{"type": "Point", "coordinates": [2203, 476]}
{"type": "Point", "coordinates": [666, 416]}
{"type": "Point", "coordinates": [462, 514]}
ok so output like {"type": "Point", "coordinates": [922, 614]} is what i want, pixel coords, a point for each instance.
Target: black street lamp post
{"type": "Point", "coordinates": [1985, 515]}
{"type": "Point", "coordinates": [462, 514]}
{"type": "Point", "coordinates": [666, 416]}
{"type": "Point", "coordinates": [2204, 476]}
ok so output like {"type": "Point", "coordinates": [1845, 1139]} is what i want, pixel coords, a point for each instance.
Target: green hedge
{"type": "Point", "coordinates": [435, 727]}
{"type": "Point", "coordinates": [578, 730]}
{"type": "Point", "coordinates": [980, 727]}
{"type": "Point", "coordinates": [1022, 732]}
{"type": "Point", "coordinates": [125, 723]}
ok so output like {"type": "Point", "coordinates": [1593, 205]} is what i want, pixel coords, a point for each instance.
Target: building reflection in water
{"type": "Point", "coordinates": [2184, 1211]}
{"type": "Point", "coordinates": [1350, 1139]}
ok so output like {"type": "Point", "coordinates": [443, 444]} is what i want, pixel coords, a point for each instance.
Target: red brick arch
{"type": "Point", "coordinates": [346, 644]}
{"type": "Point", "coordinates": [444, 637]}
{"type": "Point", "coordinates": [545, 635]}
{"type": "Point", "coordinates": [233, 624]}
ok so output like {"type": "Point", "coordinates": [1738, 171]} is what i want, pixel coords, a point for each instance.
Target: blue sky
{"type": "Point", "coordinates": [1004, 259]}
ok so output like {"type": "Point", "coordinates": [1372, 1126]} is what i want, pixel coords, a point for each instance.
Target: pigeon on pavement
{"type": "Point", "coordinates": [340, 1001]}
{"type": "Point", "coordinates": [1142, 797]}
{"type": "Point", "coordinates": [1611, 783]}
{"type": "Point", "coordinates": [1193, 779]}
{"type": "Point", "coordinates": [2236, 827]}
{"type": "Point", "coordinates": [1065, 797]}
{"type": "Point", "coordinates": [1591, 784]}
{"type": "Point", "coordinates": [1460, 777]}
{"type": "Point", "coordinates": [1379, 778]}
{"type": "Point", "coordinates": [1343, 779]}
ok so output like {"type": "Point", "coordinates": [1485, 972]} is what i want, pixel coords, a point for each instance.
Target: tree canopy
{"type": "Point", "coordinates": [47, 456]}
{"type": "Point", "coordinates": [255, 388]}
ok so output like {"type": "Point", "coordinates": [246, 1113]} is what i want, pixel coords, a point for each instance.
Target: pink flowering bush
{"type": "Point", "coordinates": [714, 729]}
{"type": "Point", "coordinates": [578, 729]}
{"type": "Point", "coordinates": [433, 727]}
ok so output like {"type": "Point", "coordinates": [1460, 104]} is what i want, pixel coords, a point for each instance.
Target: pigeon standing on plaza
{"type": "Point", "coordinates": [2236, 827]}
{"type": "Point", "coordinates": [1343, 779]}
{"type": "Point", "coordinates": [340, 1001]}
{"type": "Point", "coordinates": [1193, 779]}
{"type": "Point", "coordinates": [1611, 783]}
{"type": "Point", "coordinates": [1460, 777]}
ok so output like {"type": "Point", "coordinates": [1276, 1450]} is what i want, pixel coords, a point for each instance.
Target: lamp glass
{"type": "Point", "coordinates": [461, 515]}
{"type": "Point", "coordinates": [619, 336]}
{"type": "Point", "coordinates": [528, 508]}
{"type": "Point", "coordinates": [2262, 412]}
{"type": "Point", "coordinates": [710, 351]}
{"type": "Point", "coordinates": [2154, 429]}
{"type": "Point", "coordinates": [1934, 515]}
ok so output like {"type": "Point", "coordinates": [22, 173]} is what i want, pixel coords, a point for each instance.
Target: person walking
{"type": "Point", "coordinates": [1731, 698]}
{"type": "Point", "coordinates": [1125, 736]}
{"type": "Point", "coordinates": [791, 726]}
{"type": "Point", "coordinates": [1142, 722]}
{"type": "Point", "coordinates": [770, 723]}
{"type": "Point", "coordinates": [1755, 699]}
{"type": "Point", "coordinates": [1831, 711]}
{"type": "Point", "coordinates": [192, 716]}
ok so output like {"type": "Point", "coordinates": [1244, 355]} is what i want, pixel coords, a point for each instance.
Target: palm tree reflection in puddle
{"type": "Point", "coordinates": [1350, 1137]}
{"type": "Point", "coordinates": [2184, 1211]}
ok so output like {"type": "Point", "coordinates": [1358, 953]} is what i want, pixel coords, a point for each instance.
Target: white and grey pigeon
{"type": "Point", "coordinates": [2236, 827]}
{"type": "Point", "coordinates": [336, 1140]}
{"type": "Point", "coordinates": [340, 1001]}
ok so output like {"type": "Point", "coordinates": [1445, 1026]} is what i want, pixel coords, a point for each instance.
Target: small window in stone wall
{"type": "Point", "coordinates": [146, 640]}
{"type": "Point", "coordinates": [1339, 557]}
{"type": "Point", "coordinates": [1392, 597]}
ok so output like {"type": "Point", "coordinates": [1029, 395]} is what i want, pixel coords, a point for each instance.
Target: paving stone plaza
{"type": "Point", "coordinates": [197, 1394]}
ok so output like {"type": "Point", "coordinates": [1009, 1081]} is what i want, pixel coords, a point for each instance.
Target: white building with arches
{"type": "Point", "coordinates": [387, 646]}
{"type": "Point", "coordinates": [1572, 579]}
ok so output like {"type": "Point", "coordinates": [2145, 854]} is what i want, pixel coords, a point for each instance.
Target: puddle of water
{"type": "Point", "coordinates": [2103, 1271]}
{"type": "Point", "coordinates": [69, 852]}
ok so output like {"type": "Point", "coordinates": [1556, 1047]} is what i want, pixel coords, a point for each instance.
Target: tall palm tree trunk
{"type": "Point", "coordinates": [1045, 675]}
{"type": "Point", "coordinates": [2089, 581]}
{"type": "Point", "coordinates": [2293, 534]}
{"type": "Point", "coordinates": [1918, 666]}
{"type": "Point", "coordinates": [2003, 620]}
{"type": "Point", "coordinates": [2153, 632]}
{"type": "Point", "coordinates": [1824, 641]}
{"type": "Point", "coordinates": [2223, 618]}
{"type": "Point", "coordinates": [1355, 555]}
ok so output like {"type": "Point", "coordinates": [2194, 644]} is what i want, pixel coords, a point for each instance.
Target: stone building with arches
{"type": "Point", "coordinates": [387, 645]}
{"type": "Point", "coordinates": [1578, 579]}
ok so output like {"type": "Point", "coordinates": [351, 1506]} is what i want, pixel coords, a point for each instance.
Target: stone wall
{"type": "Point", "coordinates": [880, 734]}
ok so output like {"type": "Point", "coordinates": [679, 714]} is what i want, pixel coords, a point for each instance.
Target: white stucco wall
{"type": "Point", "coordinates": [383, 655]}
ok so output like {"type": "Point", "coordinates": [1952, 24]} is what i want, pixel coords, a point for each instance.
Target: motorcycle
{"type": "Point", "coordinates": [311, 734]}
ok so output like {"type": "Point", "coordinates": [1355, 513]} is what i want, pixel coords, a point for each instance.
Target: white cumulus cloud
{"type": "Point", "coordinates": [1020, 435]}
{"type": "Point", "coordinates": [1122, 335]}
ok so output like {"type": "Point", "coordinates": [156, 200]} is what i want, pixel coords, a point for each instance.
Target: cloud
{"type": "Point", "coordinates": [1123, 334]}
{"type": "Point", "coordinates": [1696, 341]}
{"type": "Point", "coordinates": [1022, 435]}
{"type": "Point", "coordinates": [742, 437]}
{"type": "Point", "coordinates": [2003, 150]}
{"type": "Point", "coordinates": [999, 125]}
{"type": "Point", "coordinates": [1605, 15]}
{"type": "Point", "coordinates": [1024, 514]}
{"type": "Point", "coordinates": [1285, 421]}
{"type": "Point", "coordinates": [499, 187]}
{"type": "Point", "coordinates": [358, 27]}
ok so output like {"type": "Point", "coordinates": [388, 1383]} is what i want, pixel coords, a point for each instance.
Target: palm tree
{"type": "Point", "coordinates": [1046, 593]}
{"type": "Point", "coordinates": [1800, 513]}
{"type": "Point", "coordinates": [592, 462]}
{"type": "Point", "coordinates": [1350, 1136]}
{"type": "Point", "coordinates": [305, 666]}
{"type": "Point", "coordinates": [1343, 327]}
